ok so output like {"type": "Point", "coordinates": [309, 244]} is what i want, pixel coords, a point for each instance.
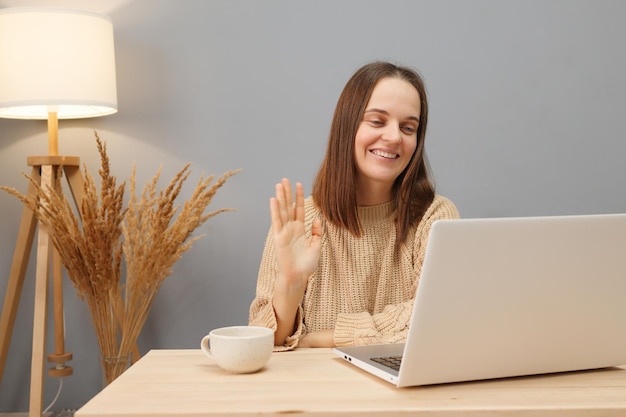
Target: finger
{"type": "Point", "coordinates": [316, 235]}
{"type": "Point", "coordinates": [281, 204]}
{"type": "Point", "coordinates": [299, 210]}
{"type": "Point", "coordinates": [316, 228]}
{"type": "Point", "coordinates": [277, 223]}
{"type": "Point", "coordinates": [288, 197]}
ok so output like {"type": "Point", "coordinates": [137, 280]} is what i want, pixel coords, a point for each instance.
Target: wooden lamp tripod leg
{"type": "Point", "coordinates": [60, 356]}
{"type": "Point", "coordinates": [25, 238]}
{"type": "Point", "coordinates": [41, 306]}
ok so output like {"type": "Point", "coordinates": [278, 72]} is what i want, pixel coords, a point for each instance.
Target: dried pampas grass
{"type": "Point", "coordinates": [149, 235]}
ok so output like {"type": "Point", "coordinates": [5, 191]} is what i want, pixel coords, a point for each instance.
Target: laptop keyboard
{"type": "Point", "coordinates": [392, 362]}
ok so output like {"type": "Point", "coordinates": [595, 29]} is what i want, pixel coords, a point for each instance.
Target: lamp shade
{"type": "Point", "coordinates": [56, 60]}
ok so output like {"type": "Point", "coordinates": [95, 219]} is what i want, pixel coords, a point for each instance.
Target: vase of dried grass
{"type": "Point", "coordinates": [114, 366]}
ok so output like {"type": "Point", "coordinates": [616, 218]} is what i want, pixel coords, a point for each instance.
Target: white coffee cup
{"type": "Point", "coordinates": [239, 349]}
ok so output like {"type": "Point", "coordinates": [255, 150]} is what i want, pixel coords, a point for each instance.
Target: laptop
{"type": "Point", "coordinates": [503, 297]}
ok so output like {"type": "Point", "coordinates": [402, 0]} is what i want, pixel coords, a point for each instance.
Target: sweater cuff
{"type": "Point", "coordinates": [292, 341]}
{"type": "Point", "coordinates": [350, 328]}
{"type": "Point", "coordinates": [265, 318]}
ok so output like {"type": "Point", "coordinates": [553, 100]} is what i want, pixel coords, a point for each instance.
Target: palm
{"type": "Point", "coordinates": [296, 254]}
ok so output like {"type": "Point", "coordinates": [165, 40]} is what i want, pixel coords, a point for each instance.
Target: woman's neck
{"type": "Point", "coordinates": [371, 194]}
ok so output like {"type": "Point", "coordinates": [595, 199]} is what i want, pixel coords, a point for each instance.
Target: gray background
{"type": "Point", "coordinates": [527, 118]}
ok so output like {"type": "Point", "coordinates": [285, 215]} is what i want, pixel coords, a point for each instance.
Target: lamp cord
{"type": "Point", "coordinates": [56, 397]}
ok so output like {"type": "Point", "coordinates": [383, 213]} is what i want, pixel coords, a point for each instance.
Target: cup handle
{"type": "Point", "coordinates": [204, 345]}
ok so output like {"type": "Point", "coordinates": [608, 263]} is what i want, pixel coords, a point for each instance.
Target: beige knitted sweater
{"type": "Point", "coordinates": [363, 287]}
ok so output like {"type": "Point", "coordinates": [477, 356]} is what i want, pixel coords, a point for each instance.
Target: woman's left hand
{"type": "Point", "coordinates": [318, 339]}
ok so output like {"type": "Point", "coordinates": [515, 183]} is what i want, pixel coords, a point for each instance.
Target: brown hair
{"type": "Point", "coordinates": [334, 188]}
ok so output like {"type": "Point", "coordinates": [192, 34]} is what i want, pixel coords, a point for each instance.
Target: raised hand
{"type": "Point", "coordinates": [297, 255]}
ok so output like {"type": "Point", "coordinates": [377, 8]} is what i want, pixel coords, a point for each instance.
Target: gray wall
{"type": "Point", "coordinates": [527, 97]}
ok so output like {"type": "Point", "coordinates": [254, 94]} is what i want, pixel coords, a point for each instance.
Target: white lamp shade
{"type": "Point", "coordinates": [56, 60]}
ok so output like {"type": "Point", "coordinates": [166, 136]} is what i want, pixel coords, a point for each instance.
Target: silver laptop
{"type": "Point", "coordinates": [505, 297]}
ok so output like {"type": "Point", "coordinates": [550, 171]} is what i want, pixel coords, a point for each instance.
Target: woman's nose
{"type": "Point", "coordinates": [392, 132]}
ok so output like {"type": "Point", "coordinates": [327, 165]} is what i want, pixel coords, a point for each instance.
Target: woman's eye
{"type": "Point", "coordinates": [376, 122]}
{"type": "Point", "coordinates": [409, 129]}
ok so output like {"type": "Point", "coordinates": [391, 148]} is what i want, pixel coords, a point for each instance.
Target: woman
{"type": "Point", "coordinates": [342, 266]}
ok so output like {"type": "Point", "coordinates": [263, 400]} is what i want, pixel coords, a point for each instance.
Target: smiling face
{"type": "Point", "coordinates": [385, 139]}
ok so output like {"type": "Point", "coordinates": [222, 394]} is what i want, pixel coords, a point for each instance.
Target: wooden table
{"type": "Point", "coordinates": [309, 382]}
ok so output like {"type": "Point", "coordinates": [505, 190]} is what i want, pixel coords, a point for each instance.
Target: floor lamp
{"type": "Point", "coordinates": [54, 64]}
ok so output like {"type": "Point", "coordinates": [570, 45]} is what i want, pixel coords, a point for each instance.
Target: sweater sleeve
{"type": "Point", "coordinates": [391, 324]}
